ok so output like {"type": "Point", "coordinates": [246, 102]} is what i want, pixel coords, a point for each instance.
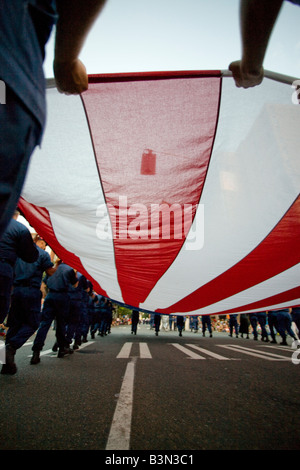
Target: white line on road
{"type": "Point", "coordinates": [144, 351]}
{"type": "Point", "coordinates": [188, 352]}
{"type": "Point", "coordinates": [209, 353]}
{"type": "Point", "coordinates": [253, 352]}
{"type": "Point", "coordinates": [119, 435]}
{"type": "Point", "coordinates": [125, 351]}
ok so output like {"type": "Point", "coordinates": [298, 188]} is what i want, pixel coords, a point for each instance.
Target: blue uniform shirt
{"type": "Point", "coordinates": [16, 242]}
{"type": "Point", "coordinates": [25, 27]}
{"type": "Point", "coordinates": [32, 273]}
{"type": "Point", "coordinates": [76, 293]}
{"type": "Point", "coordinates": [61, 280]}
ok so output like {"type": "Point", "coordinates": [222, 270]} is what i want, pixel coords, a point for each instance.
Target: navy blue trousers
{"type": "Point", "coordinates": [24, 315]}
{"type": "Point", "coordinates": [20, 133]}
{"type": "Point", "coordinates": [56, 307]}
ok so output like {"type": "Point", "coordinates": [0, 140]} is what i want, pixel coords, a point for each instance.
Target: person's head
{"type": "Point", "coordinates": [39, 241]}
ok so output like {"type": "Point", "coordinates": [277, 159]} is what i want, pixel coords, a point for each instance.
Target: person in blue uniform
{"type": "Point", "coordinates": [25, 27]}
{"type": "Point", "coordinates": [91, 308]}
{"type": "Point", "coordinates": [99, 307]}
{"type": "Point", "coordinates": [157, 319]}
{"type": "Point", "coordinates": [135, 316]}
{"type": "Point", "coordinates": [56, 307]}
{"type": "Point", "coordinates": [24, 314]}
{"type": "Point", "coordinates": [206, 323]}
{"type": "Point", "coordinates": [77, 311]}
{"type": "Point", "coordinates": [180, 324]}
{"type": "Point", "coordinates": [253, 323]}
{"type": "Point", "coordinates": [233, 324]}
{"type": "Point", "coordinates": [295, 313]}
{"type": "Point", "coordinates": [106, 318]}
{"type": "Point", "coordinates": [284, 322]}
{"type": "Point", "coordinates": [262, 320]}
{"type": "Point", "coordinates": [273, 325]}
{"type": "Point", "coordinates": [16, 243]}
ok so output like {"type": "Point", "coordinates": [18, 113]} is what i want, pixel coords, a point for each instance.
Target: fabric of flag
{"type": "Point", "coordinates": [174, 192]}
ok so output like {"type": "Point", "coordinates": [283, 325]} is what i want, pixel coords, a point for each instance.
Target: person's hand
{"type": "Point", "coordinates": [71, 77]}
{"type": "Point", "coordinates": [244, 78]}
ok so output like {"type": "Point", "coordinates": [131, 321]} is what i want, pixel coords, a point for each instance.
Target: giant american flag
{"type": "Point", "coordinates": [173, 192]}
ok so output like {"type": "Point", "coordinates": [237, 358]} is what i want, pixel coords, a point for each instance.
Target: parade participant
{"type": "Point", "coordinates": [56, 307]}
{"type": "Point", "coordinates": [15, 243]}
{"type": "Point", "coordinates": [25, 310]}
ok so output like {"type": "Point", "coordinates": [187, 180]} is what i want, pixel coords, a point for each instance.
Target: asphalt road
{"type": "Point", "coordinates": [154, 393]}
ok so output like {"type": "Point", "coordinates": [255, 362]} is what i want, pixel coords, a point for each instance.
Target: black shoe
{"type": "Point", "coordinates": [35, 357]}
{"type": "Point", "coordinates": [62, 352]}
{"type": "Point", "coordinates": [84, 339]}
{"type": "Point", "coordinates": [92, 335]}
{"type": "Point", "coordinates": [9, 369]}
{"type": "Point", "coordinates": [75, 346]}
{"type": "Point", "coordinates": [55, 347]}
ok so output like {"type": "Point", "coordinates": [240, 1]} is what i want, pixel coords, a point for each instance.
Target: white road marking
{"type": "Point", "coordinates": [209, 353]}
{"type": "Point", "coordinates": [253, 352]}
{"type": "Point", "coordinates": [188, 352]}
{"type": "Point", "coordinates": [125, 351]}
{"type": "Point", "coordinates": [119, 435]}
{"type": "Point", "coordinates": [144, 351]}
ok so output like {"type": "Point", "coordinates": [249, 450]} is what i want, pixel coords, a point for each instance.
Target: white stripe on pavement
{"type": "Point", "coordinates": [188, 352]}
{"type": "Point", "coordinates": [125, 351]}
{"type": "Point", "coordinates": [209, 353]}
{"type": "Point", "coordinates": [119, 435]}
{"type": "Point", "coordinates": [144, 351]}
{"type": "Point", "coordinates": [254, 352]}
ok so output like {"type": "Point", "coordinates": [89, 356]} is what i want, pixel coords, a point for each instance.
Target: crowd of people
{"type": "Point", "coordinates": [268, 325]}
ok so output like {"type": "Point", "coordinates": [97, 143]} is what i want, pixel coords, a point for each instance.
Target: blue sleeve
{"type": "Point", "coordinates": [26, 249]}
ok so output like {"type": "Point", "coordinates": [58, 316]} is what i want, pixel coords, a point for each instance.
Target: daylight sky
{"type": "Point", "coordinates": [162, 35]}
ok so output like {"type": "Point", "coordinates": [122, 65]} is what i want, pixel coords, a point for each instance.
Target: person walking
{"type": "Point", "coordinates": [56, 307]}
{"type": "Point", "coordinates": [262, 321]}
{"type": "Point", "coordinates": [206, 324]}
{"type": "Point", "coordinates": [180, 324]}
{"type": "Point", "coordinates": [285, 325]}
{"type": "Point", "coordinates": [233, 324]}
{"type": "Point", "coordinates": [134, 321]}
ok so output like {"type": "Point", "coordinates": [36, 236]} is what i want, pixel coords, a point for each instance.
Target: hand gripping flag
{"type": "Point", "coordinates": [173, 192]}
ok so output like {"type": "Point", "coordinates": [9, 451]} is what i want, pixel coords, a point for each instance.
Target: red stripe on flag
{"type": "Point", "coordinates": [286, 298]}
{"type": "Point", "coordinates": [173, 123]}
{"type": "Point", "coordinates": [40, 219]}
{"type": "Point", "coordinates": [279, 251]}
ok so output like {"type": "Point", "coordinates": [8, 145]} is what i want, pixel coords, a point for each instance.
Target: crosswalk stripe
{"type": "Point", "coordinates": [144, 351]}
{"type": "Point", "coordinates": [209, 353]}
{"type": "Point", "coordinates": [254, 352]}
{"type": "Point", "coordinates": [125, 351]}
{"type": "Point", "coordinates": [188, 352]}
